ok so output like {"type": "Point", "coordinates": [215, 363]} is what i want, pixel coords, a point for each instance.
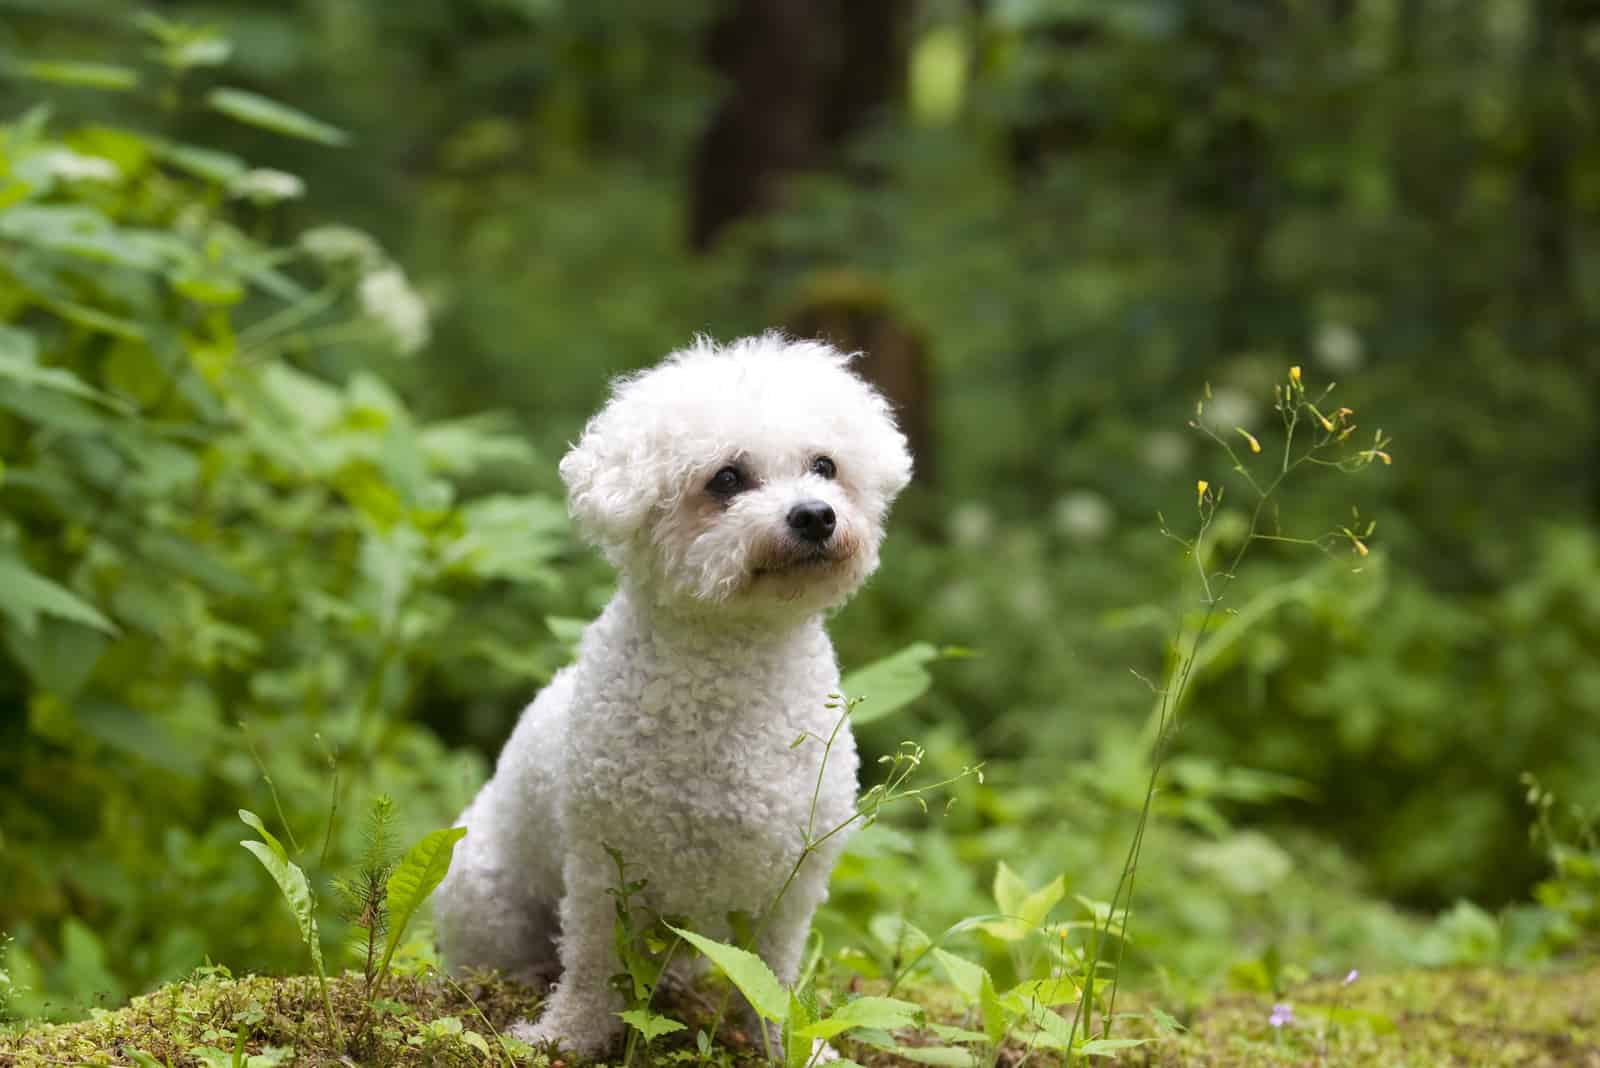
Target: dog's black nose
{"type": "Point", "coordinates": [812, 521]}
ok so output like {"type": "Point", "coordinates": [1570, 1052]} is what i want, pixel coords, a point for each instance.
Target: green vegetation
{"type": "Point", "coordinates": [1444, 1019]}
{"type": "Point", "coordinates": [299, 305]}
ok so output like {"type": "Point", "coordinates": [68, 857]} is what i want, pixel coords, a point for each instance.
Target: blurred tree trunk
{"type": "Point", "coordinates": [803, 75]}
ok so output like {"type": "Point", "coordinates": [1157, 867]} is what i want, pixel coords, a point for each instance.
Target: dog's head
{"type": "Point", "coordinates": [754, 477]}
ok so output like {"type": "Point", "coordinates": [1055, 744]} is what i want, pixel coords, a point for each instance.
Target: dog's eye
{"type": "Point", "coordinates": [726, 482]}
{"type": "Point", "coordinates": [824, 466]}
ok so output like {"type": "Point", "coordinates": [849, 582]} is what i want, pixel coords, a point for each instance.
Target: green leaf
{"type": "Point", "coordinates": [1166, 1022]}
{"type": "Point", "coordinates": [885, 1014]}
{"type": "Point", "coordinates": [25, 595]}
{"type": "Point", "coordinates": [253, 109]}
{"type": "Point", "coordinates": [1024, 910]}
{"type": "Point", "coordinates": [965, 976]}
{"type": "Point", "coordinates": [941, 1056]}
{"type": "Point", "coordinates": [796, 1042]}
{"type": "Point", "coordinates": [958, 1034]}
{"type": "Point", "coordinates": [890, 683]}
{"type": "Point", "coordinates": [19, 356]}
{"type": "Point", "coordinates": [261, 828]}
{"type": "Point", "coordinates": [997, 1018]}
{"type": "Point", "coordinates": [1058, 990]}
{"type": "Point", "coordinates": [649, 1024]}
{"type": "Point", "coordinates": [898, 935]}
{"type": "Point", "coordinates": [1106, 1047]}
{"type": "Point", "coordinates": [414, 879]}
{"type": "Point", "coordinates": [59, 657]}
{"type": "Point", "coordinates": [80, 75]}
{"type": "Point", "coordinates": [292, 884]}
{"type": "Point", "coordinates": [207, 164]}
{"type": "Point", "coordinates": [746, 971]}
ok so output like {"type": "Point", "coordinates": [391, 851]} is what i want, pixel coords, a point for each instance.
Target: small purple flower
{"type": "Point", "coordinates": [1282, 1015]}
{"type": "Point", "coordinates": [1352, 977]}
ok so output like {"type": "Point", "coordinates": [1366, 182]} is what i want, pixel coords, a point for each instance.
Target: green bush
{"type": "Point", "coordinates": [202, 528]}
{"type": "Point", "coordinates": [1411, 715]}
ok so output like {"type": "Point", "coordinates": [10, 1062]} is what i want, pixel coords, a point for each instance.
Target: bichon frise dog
{"type": "Point", "coordinates": [741, 492]}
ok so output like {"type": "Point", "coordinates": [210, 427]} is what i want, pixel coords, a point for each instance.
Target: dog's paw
{"type": "Point", "coordinates": [822, 1053]}
{"type": "Point", "coordinates": [547, 1035]}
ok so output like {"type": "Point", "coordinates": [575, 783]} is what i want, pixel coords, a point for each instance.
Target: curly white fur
{"type": "Point", "coordinates": [669, 738]}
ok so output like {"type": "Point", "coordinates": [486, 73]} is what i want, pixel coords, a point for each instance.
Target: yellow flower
{"type": "Point", "coordinates": [1294, 374]}
{"type": "Point", "coordinates": [1201, 487]}
{"type": "Point", "coordinates": [1255, 446]}
{"type": "Point", "coordinates": [1361, 547]}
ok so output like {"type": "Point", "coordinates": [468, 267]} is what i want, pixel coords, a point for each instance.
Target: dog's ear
{"type": "Point", "coordinates": [610, 480]}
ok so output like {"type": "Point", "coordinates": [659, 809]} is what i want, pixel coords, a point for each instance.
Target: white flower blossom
{"type": "Point", "coordinates": [342, 245]}
{"type": "Point", "coordinates": [266, 186]}
{"type": "Point", "coordinates": [1084, 515]}
{"type": "Point", "coordinates": [1167, 450]}
{"type": "Point", "coordinates": [1228, 408]}
{"type": "Point", "coordinates": [971, 524]}
{"type": "Point", "coordinates": [1339, 348]}
{"type": "Point", "coordinates": [73, 166]}
{"type": "Point", "coordinates": [388, 300]}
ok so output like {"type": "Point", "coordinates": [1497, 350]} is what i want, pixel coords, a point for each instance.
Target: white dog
{"type": "Point", "coordinates": [741, 492]}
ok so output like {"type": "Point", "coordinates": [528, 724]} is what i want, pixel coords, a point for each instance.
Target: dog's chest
{"type": "Point", "coordinates": [692, 771]}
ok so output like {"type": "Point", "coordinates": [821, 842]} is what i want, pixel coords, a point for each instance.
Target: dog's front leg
{"type": "Point", "coordinates": [581, 1013]}
{"type": "Point", "coordinates": [783, 944]}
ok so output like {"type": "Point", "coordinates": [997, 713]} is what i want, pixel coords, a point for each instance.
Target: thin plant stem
{"type": "Point", "coordinates": [272, 788]}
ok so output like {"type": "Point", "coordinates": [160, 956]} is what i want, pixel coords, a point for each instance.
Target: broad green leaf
{"type": "Point", "coordinates": [1024, 910]}
{"type": "Point", "coordinates": [957, 1034]}
{"type": "Point", "coordinates": [996, 1017]}
{"type": "Point", "coordinates": [649, 1024]}
{"type": "Point", "coordinates": [1059, 990]}
{"type": "Point", "coordinates": [1009, 889]}
{"type": "Point", "coordinates": [207, 164]}
{"type": "Point", "coordinates": [416, 877]}
{"type": "Point", "coordinates": [296, 891]}
{"type": "Point", "coordinates": [1054, 1032]}
{"type": "Point", "coordinates": [898, 935]}
{"type": "Point", "coordinates": [1106, 1047]}
{"type": "Point", "coordinates": [746, 971]}
{"type": "Point", "coordinates": [254, 109]}
{"type": "Point", "coordinates": [80, 75]}
{"type": "Point", "coordinates": [260, 828]}
{"type": "Point", "coordinates": [885, 1014]}
{"type": "Point", "coordinates": [940, 1056]}
{"type": "Point", "coordinates": [890, 683]}
{"type": "Point", "coordinates": [25, 595]}
{"type": "Point", "coordinates": [59, 657]}
{"type": "Point", "coordinates": [796, 1042]}
{"type": "Point", "coordinates": [965, 976]}
{"type": "Point", "coordinates": [19, 356]}
{"type": "Point", "coordinates": [1166, 1022]}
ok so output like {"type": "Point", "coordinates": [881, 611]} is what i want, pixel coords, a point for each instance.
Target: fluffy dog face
{"type": "Point", "coordinates": [754, 477]}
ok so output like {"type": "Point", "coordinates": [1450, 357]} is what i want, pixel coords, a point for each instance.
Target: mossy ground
{"type": "Point", "coordinates": [1446, 1019]}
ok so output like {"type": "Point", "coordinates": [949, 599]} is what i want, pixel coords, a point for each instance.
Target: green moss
{"type": "Point", "coordinates": [1482, 1018]}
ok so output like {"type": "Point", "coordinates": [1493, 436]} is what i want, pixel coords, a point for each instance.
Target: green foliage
{"type": "Point", "coordinates": [412, 882]}
{"type": "Point", "coordinates": [205, 522]}
{"type": "Point", "coordinates": [296, 891]}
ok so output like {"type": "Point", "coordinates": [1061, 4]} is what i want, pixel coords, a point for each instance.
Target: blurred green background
{"type": "Point", "coordinates": [283, 387]}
